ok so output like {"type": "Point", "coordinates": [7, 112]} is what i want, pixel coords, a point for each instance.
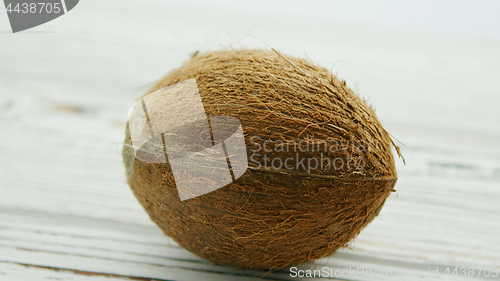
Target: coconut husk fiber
{"type": "Point", "coordinates": [270, 218]}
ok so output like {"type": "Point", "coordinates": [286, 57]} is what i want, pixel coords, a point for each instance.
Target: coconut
{"type": "Point", "coordinates": [289, 205]}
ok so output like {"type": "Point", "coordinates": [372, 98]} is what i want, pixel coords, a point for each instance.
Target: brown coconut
{"type": "Point", "coordinates": [271, 218]}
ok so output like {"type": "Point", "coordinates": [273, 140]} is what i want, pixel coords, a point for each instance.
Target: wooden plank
{"type": "Point", "coordinates": [19, 272]}
{"type": "Point", "coordinates": [120, 249]}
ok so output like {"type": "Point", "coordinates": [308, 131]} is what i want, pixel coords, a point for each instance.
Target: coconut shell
{"type": "Point", "coordinates": [272, 217]}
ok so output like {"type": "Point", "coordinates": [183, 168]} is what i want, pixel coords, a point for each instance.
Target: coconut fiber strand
{"type": "Point", "coordinates": [273, 217]}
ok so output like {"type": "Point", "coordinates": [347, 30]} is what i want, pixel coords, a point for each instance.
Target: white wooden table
{"type": "Point", "coordinates": [66, 212]}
